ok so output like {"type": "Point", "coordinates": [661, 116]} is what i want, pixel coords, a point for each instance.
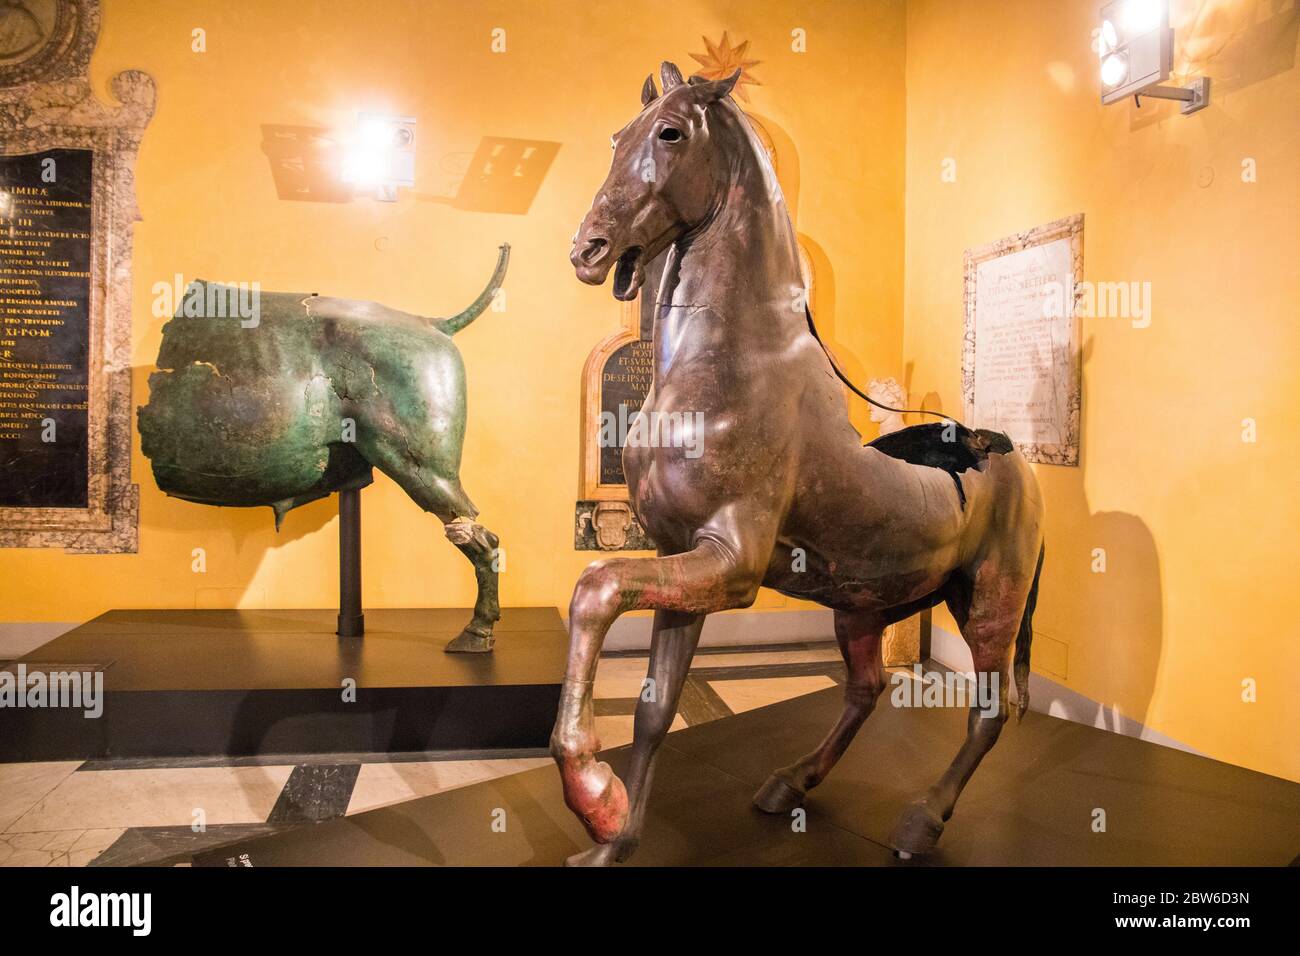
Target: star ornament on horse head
{"type": "Point", "coordinates": [722, 60]}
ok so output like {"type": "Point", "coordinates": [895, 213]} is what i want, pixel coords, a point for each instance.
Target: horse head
{"type": "Point", "coordinates": [664, 181]}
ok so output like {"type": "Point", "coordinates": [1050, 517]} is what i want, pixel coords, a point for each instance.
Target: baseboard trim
{"type": "Point", "coordinates": [730, 630]}
{"type": "Point", "coordinates": [1046, 696]}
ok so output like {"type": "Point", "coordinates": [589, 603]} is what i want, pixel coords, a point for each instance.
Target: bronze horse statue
{"type": "Point", "coordinates": [785, 495]}
{"type": "Point", "coordinates": [308, 400]}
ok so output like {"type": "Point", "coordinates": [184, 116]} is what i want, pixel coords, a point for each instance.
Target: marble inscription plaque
{"type": "Point", "coordinates": [67, 207]}
{"type": "Point", "coordinates": [1021, 362]}
{"type": "Point", "coordinates": [45, 260]}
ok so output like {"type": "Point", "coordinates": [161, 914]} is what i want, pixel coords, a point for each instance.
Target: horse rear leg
{"type": "Point", "coordinates": [988, 612]}
{"type": "Point", "coordinates": [859, 635]}
{"type": "Point", "coordinates": [481, 547]}
{"type": "Point", "coordinates": [443, 496]}
{"type": "Point", "coordinates": [672, 645]}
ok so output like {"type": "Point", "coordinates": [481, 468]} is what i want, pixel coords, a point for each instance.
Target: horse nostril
{"type": "Point", "coordinates": [595, 250]}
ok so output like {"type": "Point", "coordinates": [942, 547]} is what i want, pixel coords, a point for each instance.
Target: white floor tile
{"type": "Point", "coordinates": [616, 730]}
{"type": "Point", "coordinates": [100, 799]}
{"type": "Point", "coordinates": [748, 694]}
{"type": "Point", "coordinates": [379, 784]}
{"type": "Point", "coordinates": [23, 784]}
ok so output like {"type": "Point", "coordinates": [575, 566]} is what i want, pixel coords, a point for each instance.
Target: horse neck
{"type": "Point", "coordinates": [742, 266]}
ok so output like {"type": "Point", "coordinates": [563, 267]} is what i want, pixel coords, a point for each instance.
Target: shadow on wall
{"type": "Point", "coordinates": [1100, 601]}
{"type": "Point", "coordinates": [1101, 593]}
{"type": "Point", "coordinates": [187, 526]}
{"type": "Point", "coordinates": [821, 274]}
{"type": "Point", "coordinates": [502, 176]}
{"type": "Point", "coordinates": [1237, 43]}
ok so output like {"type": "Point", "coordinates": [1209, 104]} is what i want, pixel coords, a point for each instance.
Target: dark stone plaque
{"type": "Point", "coordinates": [624, 383]}
{"type": "Point", "coordinates": [45, 253]}
{"type": "Point", "coordinates": [626, 379]}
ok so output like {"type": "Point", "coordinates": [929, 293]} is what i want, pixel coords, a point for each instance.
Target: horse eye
{"type": "Point", "coordinates": [670, 135]}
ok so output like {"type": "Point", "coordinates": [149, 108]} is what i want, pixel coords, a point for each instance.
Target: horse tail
{"type": "Point", "coordinates": [452, 325]}
{"type": "Point", "coordinates": [1024, 638]}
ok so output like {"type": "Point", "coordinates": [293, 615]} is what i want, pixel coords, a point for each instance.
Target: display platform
{"type": "Point", "coordinates": [238, 683]}
{"type": "Point", "coordinates": [1034, 802]}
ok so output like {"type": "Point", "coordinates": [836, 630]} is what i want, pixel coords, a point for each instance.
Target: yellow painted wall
{"type": "Point", "coordinates": [571, 74]}
{"type": "Point", "coordinates": [1199, 527]}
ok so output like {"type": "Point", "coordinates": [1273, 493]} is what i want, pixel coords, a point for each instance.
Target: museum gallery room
{"type": "Point", "coordinates": [782, 433]}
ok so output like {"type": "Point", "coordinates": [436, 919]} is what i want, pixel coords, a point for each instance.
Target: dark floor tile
{"type": "Point", "coordinates": [832, 669]}
{"type": "Point", "coordinates": [700, 703]}
{"type": "Point", "coordinates": [167, 846]}
{"type": "Point", "coordinates": [314, 793]}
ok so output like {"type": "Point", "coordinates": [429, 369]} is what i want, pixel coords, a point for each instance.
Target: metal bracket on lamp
{"type": "Point", "coordinates": [1195, 96]}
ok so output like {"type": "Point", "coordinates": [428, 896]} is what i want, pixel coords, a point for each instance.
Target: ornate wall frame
{"type": "Point", "coordinates": [1070, 228]}
{"type": "Point", "coordinates": [46, 102]}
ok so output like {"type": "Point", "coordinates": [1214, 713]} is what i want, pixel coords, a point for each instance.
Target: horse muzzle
{"type": "Point", "coordinates": [594, 259]}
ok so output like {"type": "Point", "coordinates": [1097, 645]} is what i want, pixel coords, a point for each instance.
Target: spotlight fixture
{"type": "Point", "coordinates": [1135, 49]}
{"type": "Point", "coordinates": [381, 156]}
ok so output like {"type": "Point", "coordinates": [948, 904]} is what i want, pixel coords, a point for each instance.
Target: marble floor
{"type": "Point", "coordinates": [160, 812]}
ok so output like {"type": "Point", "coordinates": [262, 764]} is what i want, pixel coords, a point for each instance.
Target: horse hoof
{"type": "Point", "coordinates": [778, 796]}
{"type": "Point", "coordinates": [604, 854]}
{"type": "Point", "coordinates": [917, 832]}
{"type": "Point", "coordinates": [470, 642]}
{"type": "Point", "coordinates": [593, 791]}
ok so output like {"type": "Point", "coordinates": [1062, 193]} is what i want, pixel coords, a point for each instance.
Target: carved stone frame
{"type": "Point", "coordinates": [628, 331]}
{"type": "Point", "coordinates": [46, 102]}
{"type": "Point", "coordinates": [1071, 228]}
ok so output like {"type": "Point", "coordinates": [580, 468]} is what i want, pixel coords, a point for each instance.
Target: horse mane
{"type": "Point", "coordinates": [755, 146]}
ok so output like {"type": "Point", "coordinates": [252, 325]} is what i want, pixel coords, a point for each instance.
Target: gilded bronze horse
{"type": "Point", "coordinates": [933, 513]}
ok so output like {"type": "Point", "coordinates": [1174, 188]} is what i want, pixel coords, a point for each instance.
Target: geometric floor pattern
{"type": "Point", "coordinates": [161, 812]}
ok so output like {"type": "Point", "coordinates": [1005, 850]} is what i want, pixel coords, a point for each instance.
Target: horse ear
{"type": "Point", "coordinates": [648, 91]}
{"type": "Point", "coordinates": [713, 90]}
{"type": "Point", "coordinates": [670, 75]}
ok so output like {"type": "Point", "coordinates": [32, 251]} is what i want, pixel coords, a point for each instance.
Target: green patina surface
{"type": "Point", "coordinates": [304, 398]}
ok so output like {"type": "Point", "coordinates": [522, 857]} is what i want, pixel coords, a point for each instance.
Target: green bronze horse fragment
{"type": "Point", "coordinates": [307, 399]}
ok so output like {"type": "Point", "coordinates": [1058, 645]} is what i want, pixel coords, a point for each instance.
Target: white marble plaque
{"type": "Point", "coordinates": [1021, 362]}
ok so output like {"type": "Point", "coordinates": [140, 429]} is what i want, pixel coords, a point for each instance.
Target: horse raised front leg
{"type": "Point", "coordinates": [859, 635]}
{"type": "Point", "coordinates": [672, 645]}
{"type": "Point", "coordinates": [709, 578]}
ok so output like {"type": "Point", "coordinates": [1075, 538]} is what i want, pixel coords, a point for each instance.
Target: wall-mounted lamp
{"type": "Point", "coordinates": [1135, 47]}
{"type": "Point", "coordinates": [381, 156]}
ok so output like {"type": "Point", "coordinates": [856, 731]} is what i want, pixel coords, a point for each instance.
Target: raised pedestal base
{"type": "Point", "coordinates": [1031, 803]}
{"type": "Point", "coordinates": [239, 683]}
